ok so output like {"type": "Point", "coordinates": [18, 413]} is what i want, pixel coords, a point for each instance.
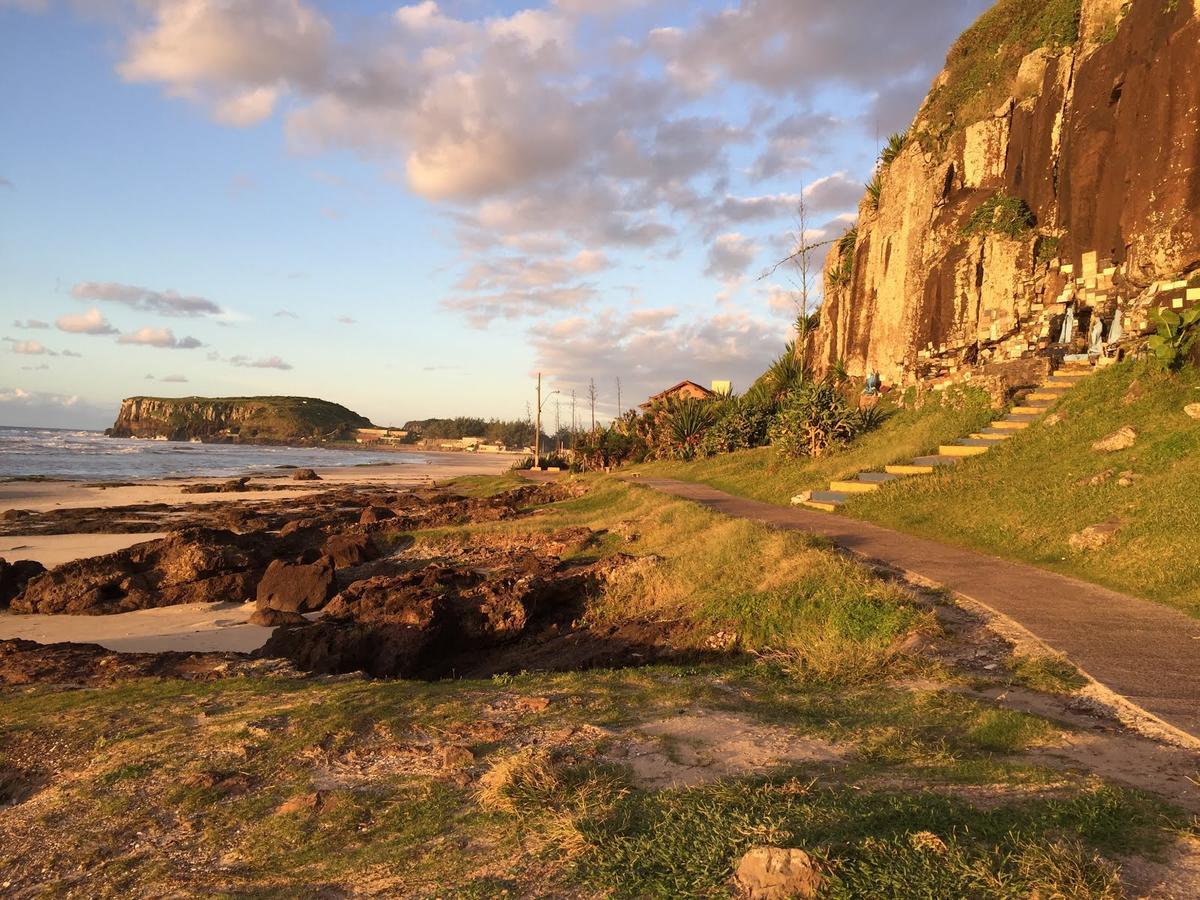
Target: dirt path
{"type": "Point", "coordinates": [1145, 652]}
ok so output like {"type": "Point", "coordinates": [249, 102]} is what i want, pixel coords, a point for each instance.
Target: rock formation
{"type": "Point", "coordinates": [1055, 162]}
{"type": "Point", "coordinates": [241, 420]}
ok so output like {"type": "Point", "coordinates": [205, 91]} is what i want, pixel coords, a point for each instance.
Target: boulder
{"type": "Point", "coordinates": [1055, 418]}
{"type": "Point", "coordinates": [373, 514]}
{"type": "Point", "coordinates": [296, 587]}
{"type": "Point", "coordinates": [1192, 410]}
{"type": "Point", "coordinates": [14, 576]}
{"type": "Point", "coordinates": [775, 873]}
{"type": "Point", "coordinates": [1128, 478]}
{"type": "Point", "coordinates": [349, 549]}
{"type": "Point", "coordinates": [305, 475]}
{"type": "Point", "coordinates": [15, 515]}
{"type": "Point", "coordinates": [1121, 439]}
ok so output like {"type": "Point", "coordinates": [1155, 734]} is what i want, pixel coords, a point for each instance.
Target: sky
{"type": "Point", "coordinates": [413, 209]}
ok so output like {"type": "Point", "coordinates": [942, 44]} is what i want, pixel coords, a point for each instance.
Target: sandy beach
{"type": "Point", "coordinates": [191, 627]}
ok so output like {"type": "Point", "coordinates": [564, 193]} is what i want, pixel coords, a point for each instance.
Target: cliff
{"type": "Point", "coordinates": [1055, 164]}
{"type": "Point", "coordinates": [242, 420]}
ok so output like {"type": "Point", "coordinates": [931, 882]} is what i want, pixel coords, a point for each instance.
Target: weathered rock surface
{"type": "Point", "coordinates": [305, 475]}
{"type": "Point", "coordinates": [1121, 439]}
{"type": "Point", "coordinates": [192, 566]}
{"type": "Point", "coordinates": [296, 586]}
{"type": "Point", "coordinates": [1092, 146]}
{"type": "Point", "coordinates": [775, 873]}
{"type": "Point", "coordinates": [1192, 410]}
{"type": "Point", "coordinates": [256, 420]}
{"type": "Point", "coordinates": [1094, 536]}
{"type": "Point", "coordinates": [14, 576]}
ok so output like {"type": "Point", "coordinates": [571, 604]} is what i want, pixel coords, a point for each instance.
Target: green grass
{"type": "Point", "coordinates": [1025, 498]}
{"type": "Point", "coordinates": [762, 474]}
{"type": "Point", "coordinates": [983, 62]}
{"type": "Point", "coordinates": [213, 770]}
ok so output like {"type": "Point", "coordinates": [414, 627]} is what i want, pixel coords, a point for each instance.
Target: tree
{"type": "Point", "coordinates": [592, 401]}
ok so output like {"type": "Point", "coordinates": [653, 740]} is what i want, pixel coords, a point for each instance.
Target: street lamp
{"type": "Point", "coordinates": [537, 431]}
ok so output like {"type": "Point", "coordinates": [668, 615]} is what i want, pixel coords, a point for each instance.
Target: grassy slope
{"type": "Point", "coordinates": [260, 786]}
{"type": "Point", "coordinates": [1028, 496]}
{"type": "Point", "coordinates": [763, 475]}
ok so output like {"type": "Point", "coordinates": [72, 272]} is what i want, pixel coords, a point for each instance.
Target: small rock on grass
{"type": "Point", "coordinates": [775, 873]}
{"type": "Point", "coordinates": [1094, 536]}
{"type": "Point", "coordinates": [1192, 410]}
{"type": "Point", "coordinates": [1121, 439]}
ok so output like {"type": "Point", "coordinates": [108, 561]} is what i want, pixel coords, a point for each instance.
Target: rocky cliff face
{"type": "Point", "coordinates": [253, 420]}
{"type": "Point", "coordinates": [1055, 164]}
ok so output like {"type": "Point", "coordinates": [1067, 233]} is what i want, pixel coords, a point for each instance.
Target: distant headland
{"type": "Point", "coordinates": [296, 421]}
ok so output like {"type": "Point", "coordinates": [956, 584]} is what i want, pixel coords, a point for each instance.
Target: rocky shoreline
{"type": "Point", "coordinates": [336, 572]}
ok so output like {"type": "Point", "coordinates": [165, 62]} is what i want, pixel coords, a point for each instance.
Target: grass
{"type": "Point", "coordinates": [262, 786]}
{"type": "Point", "coordinates": [1025, 498]}
{"type": "Point", "coordinates": [763, 475]}
{"type": "Point", "coordinates": [1001, 214]}
{"type": "Point", "coordinates": [983, 62]}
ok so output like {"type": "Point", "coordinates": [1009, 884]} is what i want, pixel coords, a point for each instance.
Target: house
{"type": "Point", "coordinates": [683, 390]}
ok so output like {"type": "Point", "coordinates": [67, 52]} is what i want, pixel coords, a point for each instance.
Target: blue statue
{"type": "Point", "coordinates": [873, 385]}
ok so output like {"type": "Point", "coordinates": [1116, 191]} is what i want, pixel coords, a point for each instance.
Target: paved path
{"type": "Point", "coordinates": [1146, 652]}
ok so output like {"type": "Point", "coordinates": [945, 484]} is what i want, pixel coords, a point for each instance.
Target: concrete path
{"type": "Point", "coordinates": [1146, 652]}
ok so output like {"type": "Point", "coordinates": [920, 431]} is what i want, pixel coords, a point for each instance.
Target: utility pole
{"type": "Point", "coordinates": [620, 411]}
{"type": "Point", "coordinates": [558, 424]}
{"type": "Point", "coordinates": [592, 399]}
{"type": "Point", "coordinates": [574, 420]}
{"type": "Point", "coordinates": [537, 428]}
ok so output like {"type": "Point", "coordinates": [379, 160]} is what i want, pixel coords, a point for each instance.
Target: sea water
{"type": "Point", "coordinates": [59, 453]}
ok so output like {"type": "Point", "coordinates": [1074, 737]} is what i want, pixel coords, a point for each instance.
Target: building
{"type": "Point", "coordinates": [380, 436]}
{"type": "Point", "coordinates": [682, 391]}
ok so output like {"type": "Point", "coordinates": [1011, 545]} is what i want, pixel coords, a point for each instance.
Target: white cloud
{"type": "Point", "coordinates": [29, 348]}
{"type": "Point", "coordinates": [30, 323]}
{"type": "Point", "coordinates": [271, 362]}
{"type": "Point", "coordinates": [729, 256]}
{"type": "Point", "coordinates": [167, 303]}
{"type": "Point", "coordinates": [159, 337]}
{"type": "Point", "coordinates": [90, 322]}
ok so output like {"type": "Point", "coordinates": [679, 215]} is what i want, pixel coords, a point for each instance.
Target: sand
{"type": "Point", "coordinates": [193, 627]}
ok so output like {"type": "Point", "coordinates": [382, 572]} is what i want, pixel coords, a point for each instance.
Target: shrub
{"type": "Point", "coordinates": [843, 272]}
{"type": "Point", "coordinates": [875, 189]}
{"type": "Point", "coordinates": [743, 427]}
{"type": "Point", "coordinates": [813, 419]}
{"type": "Point", "coordinates": [783, 374]}
{"type": "Point", "coordinates": [1177, 334]}
{"type": "Point", "coordinates": [1001, 214]}
{"type": "Point", "coordinates": [1047, 248]}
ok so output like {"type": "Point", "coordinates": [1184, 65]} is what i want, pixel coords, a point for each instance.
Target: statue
{"type": "Point", "coordinates": [873, 385]}
{"type": "Point", "coordinates": [1068, 327]}
{"type": "Point", "coordinates": [1117, 329]}
{"type": "Point", "coordinates": [1096, 336]}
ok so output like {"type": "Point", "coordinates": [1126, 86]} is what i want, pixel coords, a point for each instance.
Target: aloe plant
{"type": "Point", "coordinates": [1177, 334]}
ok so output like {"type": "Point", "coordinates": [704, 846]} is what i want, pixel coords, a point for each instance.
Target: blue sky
{"type": "Point", "coordinates": [410, 209]}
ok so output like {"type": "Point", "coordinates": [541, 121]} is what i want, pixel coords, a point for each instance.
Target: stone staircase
{"type": "Point", "coordinates": [1035, 404]}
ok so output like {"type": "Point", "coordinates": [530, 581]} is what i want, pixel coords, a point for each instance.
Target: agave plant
{"type": "Point", "coordinates": [875, 189]}
{"type": "Point", "coordinates": [686, 419]}
{"type": "Point", "coordinates": [892, 149]}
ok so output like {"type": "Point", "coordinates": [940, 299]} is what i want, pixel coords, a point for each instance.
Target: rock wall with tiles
{"type": "Point", "coordinates": [1092, 159]}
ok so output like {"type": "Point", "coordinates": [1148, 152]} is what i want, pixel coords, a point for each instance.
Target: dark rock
{"type": "Point", "coordinates": [14, 576]}
{"type": "Point", "coordinates": [272, 618]}
{"type": "Point", "coordinates": [196, 565]}
{"type": "Point", "coordinates": [15, 515]}
{"type": "Point", "coordinates": [373, 514]}
{"type": "Point", "coordinates": [349, 549]}
{"type": "Point", "coordinates": [296, 587]}
{"type": "Point", "coordinates": [305, 475]}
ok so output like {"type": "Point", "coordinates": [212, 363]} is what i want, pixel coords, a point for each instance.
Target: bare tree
{"type": "Point", "coordinates": [592, 401]}
{"type": "Point", "coordinates": [620, 410]}
{"type": "Point", "coordinates": [574, 420]}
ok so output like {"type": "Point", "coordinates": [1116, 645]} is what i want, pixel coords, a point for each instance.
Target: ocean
{"type": "Point", "coordinates": [60, 453]}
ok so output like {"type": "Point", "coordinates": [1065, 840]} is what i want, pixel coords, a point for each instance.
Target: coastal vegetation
{"type": "Point", "coordinates": [807, 720]}
{"type": "Point", "coordinates": [242, 420]}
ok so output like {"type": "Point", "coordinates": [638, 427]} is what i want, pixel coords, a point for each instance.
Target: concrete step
{"type": "Point", "coordinates": [1005, 431]}
{"type": "Point", "coordinates": [903, 471]}
{"type": "Point", "coordinates": [964, 449]}
{"type": "Point", "coordinates": [1072, 375]}
{"type": "Point", "coordinates": [1030, 410]}
{"type": "Point", "coordinates": [826, 501]}
{"type": "Point", "coordinates": [936, 460]}
{"type": "Point", "coordinates": [852, 487]}
{"type": "Point", "coordinates": [1059, 381]}
{"type": "Point", "coordinates": [1045, 395]}
{"type": "Point", "coordinates": [994, 436]}
{"type": "Point", "coordinates": [876, 477]}
{"type": "Point", "coordinates": [1020, 417]}
{"type": "Point", "coordinates": [1006, 425]}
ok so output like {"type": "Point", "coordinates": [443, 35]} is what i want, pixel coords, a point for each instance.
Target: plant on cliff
{"type": "Point", "coordinates": [984, 60]}
{"type": "Point", "coordinates": [1177, 335]}
{"type": "Point", "coordinates": [1001, 214]}
{"type": "Point", "coordinates": [840, 275]}
{"type": "Point", "coordinates": [895, 144]}
{"type": "Point", "coordinates": [875, 189]}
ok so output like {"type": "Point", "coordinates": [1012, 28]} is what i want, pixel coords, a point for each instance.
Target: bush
{"type": "Point", "coordinates": [1177, 334]}
{"type": "Point", "coordinates": [744, 426]}
{"type": "Point", "coordinates": [1001, 214]}
{"type": "Point", "coordinates": [840, 275]}
{"type": "Point", "coordinates": [892, 149]}
{"type": "Point", "coordinates": [875, 189]}
{"type": "Point", "coordinates": [814, 419]}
